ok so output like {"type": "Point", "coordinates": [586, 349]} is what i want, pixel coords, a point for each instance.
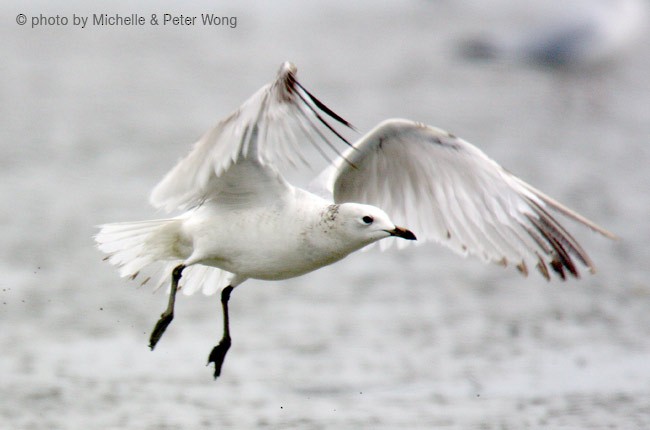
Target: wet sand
{"type": "Point", "coordinates": [92, 119]}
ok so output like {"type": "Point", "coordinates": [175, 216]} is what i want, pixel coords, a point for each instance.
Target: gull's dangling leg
{"type": "Point", "coordinates": [218, 353]}
{"type": "Point", "coordinates": [167, 316]}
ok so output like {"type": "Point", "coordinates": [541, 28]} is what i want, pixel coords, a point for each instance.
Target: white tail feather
{"type": "Point", "coordinates": [140, 249]}
{"type": "Point", "coordinates": [207, 279]}
{"type": "Point", "coordinates": [132, 246]}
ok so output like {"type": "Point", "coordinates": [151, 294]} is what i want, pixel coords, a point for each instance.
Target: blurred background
{"type": "Point", "coordinates": [557, 92]}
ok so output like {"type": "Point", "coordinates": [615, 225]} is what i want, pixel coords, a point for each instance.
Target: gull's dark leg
{"type": "Point", "coordinates": [167, 316]}
{"type": "Point", "coordinates": [218, 353]}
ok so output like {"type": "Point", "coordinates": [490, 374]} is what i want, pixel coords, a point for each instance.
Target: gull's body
{"type": "Point", "coordinates": [258, 242]}
{"type": "Point", "coordinates": [241, 219]}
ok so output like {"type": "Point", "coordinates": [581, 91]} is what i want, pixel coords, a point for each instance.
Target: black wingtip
{"type": "Point", "coordinates": [315, 109]}
{"type": "Point", "coordinates": [323, 107]}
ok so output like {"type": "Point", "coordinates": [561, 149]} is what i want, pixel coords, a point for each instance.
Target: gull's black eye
{"type": "Point", "coordinates": [367, 219]}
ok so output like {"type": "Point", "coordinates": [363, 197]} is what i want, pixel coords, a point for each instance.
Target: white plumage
{"type": "Point", "coordinates": [243, 220]}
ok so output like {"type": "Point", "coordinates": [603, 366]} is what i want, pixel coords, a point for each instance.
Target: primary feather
{"type": "Point", "coordinates": [440, 186]}
{"type": "Point", "coordinates": [448, 191]}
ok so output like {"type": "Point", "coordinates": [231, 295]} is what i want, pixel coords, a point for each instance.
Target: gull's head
{"type": "Point", "coordinates": [365, 224]}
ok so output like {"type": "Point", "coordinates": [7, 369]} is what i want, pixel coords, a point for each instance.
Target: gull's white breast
{"type": "Point", "coordinates": [274, 241]}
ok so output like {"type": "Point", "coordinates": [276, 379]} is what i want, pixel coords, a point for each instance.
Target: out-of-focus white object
{"type": "Point", "coordinates": [579, 32]}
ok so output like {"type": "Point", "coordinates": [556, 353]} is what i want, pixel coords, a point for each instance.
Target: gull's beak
{"type": "Point", "coordinates": [403, 233]}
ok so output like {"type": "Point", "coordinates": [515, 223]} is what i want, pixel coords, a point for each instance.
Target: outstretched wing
{"type": "Point", "coordinates": [446, 190]}
{"type": "Point", "coordinates": [266, 129]}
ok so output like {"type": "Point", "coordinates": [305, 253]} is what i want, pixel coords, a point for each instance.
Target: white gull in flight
{"type": "Point", "coordinates": [241, 219]}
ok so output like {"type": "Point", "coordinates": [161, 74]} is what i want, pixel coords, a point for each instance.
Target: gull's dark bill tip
{"type": "Point", "coordinates": [403, 233]}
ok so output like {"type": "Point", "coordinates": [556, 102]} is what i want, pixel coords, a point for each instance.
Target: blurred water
{"type": "Point", "coordinates": [92, 118]}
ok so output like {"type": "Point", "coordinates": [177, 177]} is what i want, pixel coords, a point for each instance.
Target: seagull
{"type": "Point", "coordinates": [241, 219]}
